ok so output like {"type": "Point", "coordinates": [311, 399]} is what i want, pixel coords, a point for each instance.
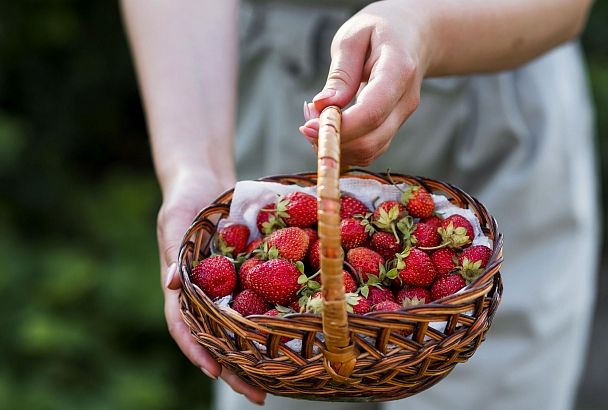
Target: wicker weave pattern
{"type": "Point", "coordinates": [389, 366]}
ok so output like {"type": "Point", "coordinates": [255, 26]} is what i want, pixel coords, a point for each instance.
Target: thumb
{"type": "Point", "coordinates": [172, 225]}
{"type": "Point", "coordinates": [348, 58]}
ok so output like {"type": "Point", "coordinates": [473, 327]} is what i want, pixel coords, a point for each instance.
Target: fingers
{"type": "Point", "coordinates": [237, 384]}
{"type": "Point", "coordinates": [182, 336]}
{"type": "Point", "coordinates": [391, 77]}
{"type": "Point", "coordinates": [172, 223]}
{"type": "Point", "coordinates": [199, 356]}
{"type": "Point", "coordinates": [349, 49]}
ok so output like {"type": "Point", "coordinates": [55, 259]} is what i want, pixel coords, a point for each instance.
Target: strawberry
{"type": "Point", "coordinates": [279, 311]}
{"type": "Point", "coordinates": [249, 303]}
{"type": "Point", "coordinates": [433, 220]}
{"type": "Point", "coordinates": [350, 206]}
{"type": "Point", "coordinates": [387, 305]}
{"type": "Point", "coordinates": [425, 236]}
{"type": "Point", "coordinates": [413, 295]}
{"type": "Point", "coordinates": [418, 201]}
{"type": "Point", "coordinates": [276, 281]}
{"type": "Point", "coordinates": [291, 243]}
{"type": "Point", "coordinates": [358, 304]}
{"type": "Point", "coordinates": [295, 305]}
{"type": "Point", "coordinates": [215, 276]}
{"type": "Point", "coordinates": [456, 231]}
{"type": "Point", "coordinates": [244, 271]}
{"type": "Point", "coordinates": [349, 283]}
{"type": "Point", "coordinates": [418, 269]}
{"type": "Point", "coordinates": [386, 245]}
{"type": "Point", "coordinates": [313, 257]}
{"type": "Point", "coordinates": [352, 233]}
{"type": "Point", "coordinates": [253, 245]}
{"type": "Point", "coordinates": [312, 234]}
{"type": "Point", "coordinates": [472, 260]}
{"type": "Point", "coordinates": [387, 214]}
{"type": "Point", "coordinates": [444, 260]}
{"type": "Point", "coordinates": [298, 209]}
{"type": "Point", "coordinates": [379, 294]}
{"type": "Point", "coordinates": [232, 240]}
{"type": "Point", "coordinates": [447, 285]}
{"type": "Point", "coordinates": [364, 261]}
{"type": "Point", "coordinates": [268, 220]}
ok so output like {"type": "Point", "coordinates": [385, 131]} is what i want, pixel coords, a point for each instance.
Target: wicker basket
{"type": "Point", "coordinates": [343, 357]}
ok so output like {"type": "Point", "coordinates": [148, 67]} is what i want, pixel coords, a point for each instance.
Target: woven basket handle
{"type": "Point", "coordinates": [340, 354]}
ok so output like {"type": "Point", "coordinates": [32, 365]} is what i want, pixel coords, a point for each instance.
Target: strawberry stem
{"type": "Point", "coordinates": [434, 248]}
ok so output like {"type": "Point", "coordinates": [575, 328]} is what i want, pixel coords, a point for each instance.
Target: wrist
{"type": "Point", "coordinates": [196, 178]}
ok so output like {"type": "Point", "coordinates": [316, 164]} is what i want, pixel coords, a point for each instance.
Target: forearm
{"type": "Point", "coordinates": [471, 36]}
{"type": "Point", "coordinates": [186, 60]}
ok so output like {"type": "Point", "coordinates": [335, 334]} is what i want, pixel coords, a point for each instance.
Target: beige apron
{"type": "Point", "coordinates": [520, 141]}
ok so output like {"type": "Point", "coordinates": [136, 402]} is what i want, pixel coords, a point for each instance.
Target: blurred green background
{"type": "Point", "coordinates": [82, 324]}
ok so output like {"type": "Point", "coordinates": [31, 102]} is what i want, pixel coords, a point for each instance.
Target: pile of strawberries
{"type": "Point", "coordinates": [400, 254]}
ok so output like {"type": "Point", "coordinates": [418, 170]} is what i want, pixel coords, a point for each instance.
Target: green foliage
{"type": "Point", "coordinates": [82, 323]}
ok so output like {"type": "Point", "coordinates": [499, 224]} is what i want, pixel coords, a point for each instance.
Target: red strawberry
{"type": "Point", "coordinates": [292, 243]}
{"type": "Point", "coordinates": [245, 269]}
{"type": "Point", "coordinates": [412, 296]}
{"type": "Point", "coordinates": [313, 257]}
{"type": "Point", "coordinates": [298, 209]}
{"type": "Point", "coordinates": [456, 231]}
{"type": "Point", "coordinates": [418, 201]}
{"type": "Point", "coordinates": [386, 244]}
{"type": "Point", "coordinates": [447, 285]}
{"type": "Point", "coordinates": [349, 283]}
{"type": "Point", "coordinates": [253, 245]}
{"type": "Point", "coordinates": [295, 305]}
{"type": "Point", "coordinates": [387, 305]}
{"type": "Point", "coordinates": [433, 220]}
{"type": "Point", "coordinates": [365, 261]}
{"type": "Point", "coordinates": [444, 260]}
{"type": "Point", "coordinates": [379, 294]}
{"type": "Point", "coordinates": [279, 311]}
{"type": "Point", "coordinates": [360, 305]}
{"type": "Point", "coordinates": [472, 260]}
{"type": "Point", "coordinates": [232, 240]}
{"type": "Point", "coordinates": [215, 276]}
{"type": "Point", "coordinates": [352, 233]}
{"type": "Point", "coordinates": [425, 236]}
{"type": "Point", "coordinates": [249, 303]}
{"type": "Point", "coordinates": [387, 214]}
{"type": "Point", "coordinates": [419, 270]}
{"type": "Point", "coordinates": [276, 281]}
{"type": "Point", "coordinates": [273, 312]}
{"type": "Point", "coordinates": [267, 219]}
{"type": "Point", "coordinates": [312, 234]}
{"type": "Point", "coordinates": [350, 206]}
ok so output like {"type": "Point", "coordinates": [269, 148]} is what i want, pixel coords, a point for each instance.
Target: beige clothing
{"type": "Point", "coordinates": [520, 141]}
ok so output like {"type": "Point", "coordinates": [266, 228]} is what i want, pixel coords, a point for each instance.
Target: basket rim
{"type": "Point", "coordinates": [489, 280]}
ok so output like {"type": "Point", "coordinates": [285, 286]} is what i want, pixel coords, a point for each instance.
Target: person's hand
{"type": "Point", "coordinates": [182, 201]}
{"type": "Point", "coordinates": [379, 57]}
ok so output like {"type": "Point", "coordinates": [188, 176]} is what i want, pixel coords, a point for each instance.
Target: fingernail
{"type": "Point", "coordinates": [170, 272]}
{"type": "Point", "coordinates": [312, 111]}
{"type": "Point", "coordinates": [209, 375]}
{"type": "Point", "coordinates": [328, 92]}
{"type": "Point", "coordinates": [310, 133]}
{"type": "Point", "coordinates": [306, 111]}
